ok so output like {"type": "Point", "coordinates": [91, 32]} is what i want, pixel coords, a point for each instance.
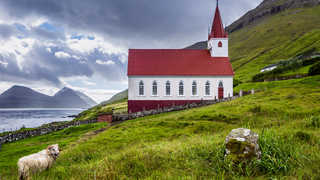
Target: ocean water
{"type": "Point", "coordinates": [14, 119]}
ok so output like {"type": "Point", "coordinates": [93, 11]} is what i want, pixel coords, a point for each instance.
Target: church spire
{"type": "Point", "coordinates": [217, 30]}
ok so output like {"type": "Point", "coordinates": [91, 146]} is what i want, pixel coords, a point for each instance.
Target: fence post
{"type": "Point", "coordinates": [241, 93]}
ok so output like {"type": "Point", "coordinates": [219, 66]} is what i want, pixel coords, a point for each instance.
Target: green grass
{"type": "Point", "coordinates": [190, 144]}
{"type": "Point", "coordinates": [277, 37]}
{"type": "Point", "coordinates": [120, 106]}
{"type": "Point", "coordinates": [11, 152]}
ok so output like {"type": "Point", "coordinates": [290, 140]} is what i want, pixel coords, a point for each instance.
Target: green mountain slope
{"type": "Point", "coordinates": [278, 37]}
{"type": "Point", "coordinates": [272, 38]}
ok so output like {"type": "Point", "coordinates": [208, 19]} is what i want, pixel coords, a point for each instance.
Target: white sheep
{"type": "Point", "coordinates": [37, 162]}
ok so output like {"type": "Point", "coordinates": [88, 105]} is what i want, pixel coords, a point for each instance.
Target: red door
{"type": "Point", "coordinates": [220, 92]}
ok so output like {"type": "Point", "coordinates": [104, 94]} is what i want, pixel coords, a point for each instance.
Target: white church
{"type": "Point", "coordinates": [167, 77]}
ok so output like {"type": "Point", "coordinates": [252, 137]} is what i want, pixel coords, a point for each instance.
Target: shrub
{"type": "Point", "coordinates": [314, 70]}
{"type": "Point", "coordinates": [303, 136]}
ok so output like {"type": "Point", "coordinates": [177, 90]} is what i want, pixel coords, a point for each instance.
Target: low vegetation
{"type": "Point", "coordinates": [299, 65]}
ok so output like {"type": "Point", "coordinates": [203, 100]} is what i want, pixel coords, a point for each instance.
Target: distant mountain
{"type": "Point", "coordinates": [69, 98]}
{"type": "Point", "coordinates": [118, 97]}
{"type": "Point", "coordinates": [23, 97]}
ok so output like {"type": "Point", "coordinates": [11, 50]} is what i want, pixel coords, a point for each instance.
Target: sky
{"type": "Point", "coordinates": [50, 44]}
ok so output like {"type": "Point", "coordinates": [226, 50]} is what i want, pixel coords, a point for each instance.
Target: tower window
{"type": "Point", "coordinates": [168, 88]}
{"type": "Point", "coordinates": [154, 88]}
{"type": "Point", "coordinates": [141, 88]}
{"type": "Point", "coordinates": [194, 88]}
{"type": "Point", "coordinates": [181, 88]}
{"type": "Point", "coordinates": [219, 44]}
{"type": "Point", "coordinates": [207, 88]}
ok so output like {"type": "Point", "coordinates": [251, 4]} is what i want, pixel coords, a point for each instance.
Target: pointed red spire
{"type": "Point", "coordinates": [217, 30]}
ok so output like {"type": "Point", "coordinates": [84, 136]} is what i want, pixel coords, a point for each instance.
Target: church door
{"type": "Point", "coordinates": [220, 90]}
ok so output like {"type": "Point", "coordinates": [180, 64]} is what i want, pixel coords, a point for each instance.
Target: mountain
{"type": "Point", "coordinates": [118, 97]}
{"type": "Point", "coordinates": [278, 30]}
{"type": "Point", "coordinates": [69, 98]}
{"type": "Point", "coordinates": [23, 97]}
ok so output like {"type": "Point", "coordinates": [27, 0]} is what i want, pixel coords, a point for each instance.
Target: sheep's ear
{"type": "Point", "coordinates": [50, 147]}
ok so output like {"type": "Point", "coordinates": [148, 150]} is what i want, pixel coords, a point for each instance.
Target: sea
{"type": "Point", "coordinates": [14, 119]}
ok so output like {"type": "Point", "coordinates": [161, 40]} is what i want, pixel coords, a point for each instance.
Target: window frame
{"type": "Point", "coordinates": [167, 85]}
{"type": "Point", "coordinates": [181, 84]}
{"type": "Point", "coordinates": [154, 88]}
{"type": "Point", "coordinates": [194, 85]}
{"type": "Point", "coordinates": [141, 85]}
{"type": "Point", "coordinates": [207, 85]}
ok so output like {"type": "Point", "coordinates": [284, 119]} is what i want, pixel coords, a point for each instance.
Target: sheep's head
{"type": "Point", "coordinates": [53, 150]}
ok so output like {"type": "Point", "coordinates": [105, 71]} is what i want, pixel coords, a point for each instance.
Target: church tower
{"type": "Point", "coordinates": [218, 38]}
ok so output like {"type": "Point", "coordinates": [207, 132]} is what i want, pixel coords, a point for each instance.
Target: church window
{"type": "Point", "coordinates": [154, 88]}
{"type": "Point", "coordinates": [141, 88]}
{"type": "Point", "coordinates": [220, 84]}
{"type": "Point", "coordinates": [194, 88]}
{"type": "Point", "coordinates": [207, 88]}
{"type": "Point", "coordinates": [181, 88]}
{"type": "Point", "coordinates": [220, 44]}
{"type": "Point", "coordinates": [168, 88]}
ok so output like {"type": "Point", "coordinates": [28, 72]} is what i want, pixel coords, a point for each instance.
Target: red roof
{"type": "Point", "coordinates": [177, 62]}
{"type": "Point", "coordinates": [217, 30]}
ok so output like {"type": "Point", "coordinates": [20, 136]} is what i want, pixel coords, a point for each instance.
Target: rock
{"type": "Point", "coordinates": [242, 145]}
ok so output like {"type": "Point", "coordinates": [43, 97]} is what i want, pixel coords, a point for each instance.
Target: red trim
{"type": "Point", "coordinates": [138, 106]}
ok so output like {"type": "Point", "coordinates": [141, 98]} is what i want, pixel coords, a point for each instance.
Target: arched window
{"type": "Point", "coordinates": [154, 88]}
{"type": "Point", "coordinates": [141, 88]}
{"type": "Point", "coordinates": [168, 88]}
{"type": "Point", "coordinates": [220, 84]}
{"type": "Point", "coordinates": [181, 88]}
{"type": "Point", "coordinates": [219, 44]}
{"type": "Point", "coordinates": [207, 88]}
{"type": "Point", "coordinates": [194, 88]}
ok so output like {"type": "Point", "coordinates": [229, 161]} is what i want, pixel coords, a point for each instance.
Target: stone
{"type": "Point", "coordinates": [242, 145]}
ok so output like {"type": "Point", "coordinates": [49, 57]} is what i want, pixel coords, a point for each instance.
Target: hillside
{"type": "Point", "coordinates": [276, 37]}
{"type": "Point", "coordinates": [23, 97]}
{"type": "Point", "coordinates": [190, 143]}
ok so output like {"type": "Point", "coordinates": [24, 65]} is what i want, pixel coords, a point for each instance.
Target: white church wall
{"type": "Point", "coordinates": [217, 51]}
{"type": "Point", "coordinates": [174, 81]}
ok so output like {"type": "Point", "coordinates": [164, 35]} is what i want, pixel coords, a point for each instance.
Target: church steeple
{"type": "Point", "coordinates": [218, 37]}
{"type": "Point", "coordinates": [217, 30]}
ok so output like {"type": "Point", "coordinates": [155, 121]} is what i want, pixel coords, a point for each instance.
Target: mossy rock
{"type": "Point", "coordinates": [242, 145]}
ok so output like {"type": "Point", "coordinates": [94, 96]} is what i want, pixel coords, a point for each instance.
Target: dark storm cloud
{"type": "Point", "coordinates": [43, 65]}
{"type": "Point", "coordinates": [141, 23]}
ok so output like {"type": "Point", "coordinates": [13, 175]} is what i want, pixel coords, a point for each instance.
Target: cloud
{"type": "Point", "coordinates": [49, 43]}
{"type": "Point", "coordinates": [109, 62]}
{"type": "Point", "coordinates": [133, 23]}
{"type": "Point", "coordinates": [62, 55]}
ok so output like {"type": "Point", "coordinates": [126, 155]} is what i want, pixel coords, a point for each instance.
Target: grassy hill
{"type": "Point", "coordinates": [275, 38]}
{"type": "Point", "coordinates": [190, 144]}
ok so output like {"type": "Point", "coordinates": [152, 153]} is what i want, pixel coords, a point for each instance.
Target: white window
{"type": "Point", "coordinates": [194, 88]}
{"type": "Point", "coordinates": [181, 88]}
{"type": "Point", "coordinates": [168, 88]}
{"type": "Point", "coordinates": [141, 88]}
{"type": "Point", "coordinates": [207, 88]}
{"type": "Point", "coordinates": [154, 88]}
